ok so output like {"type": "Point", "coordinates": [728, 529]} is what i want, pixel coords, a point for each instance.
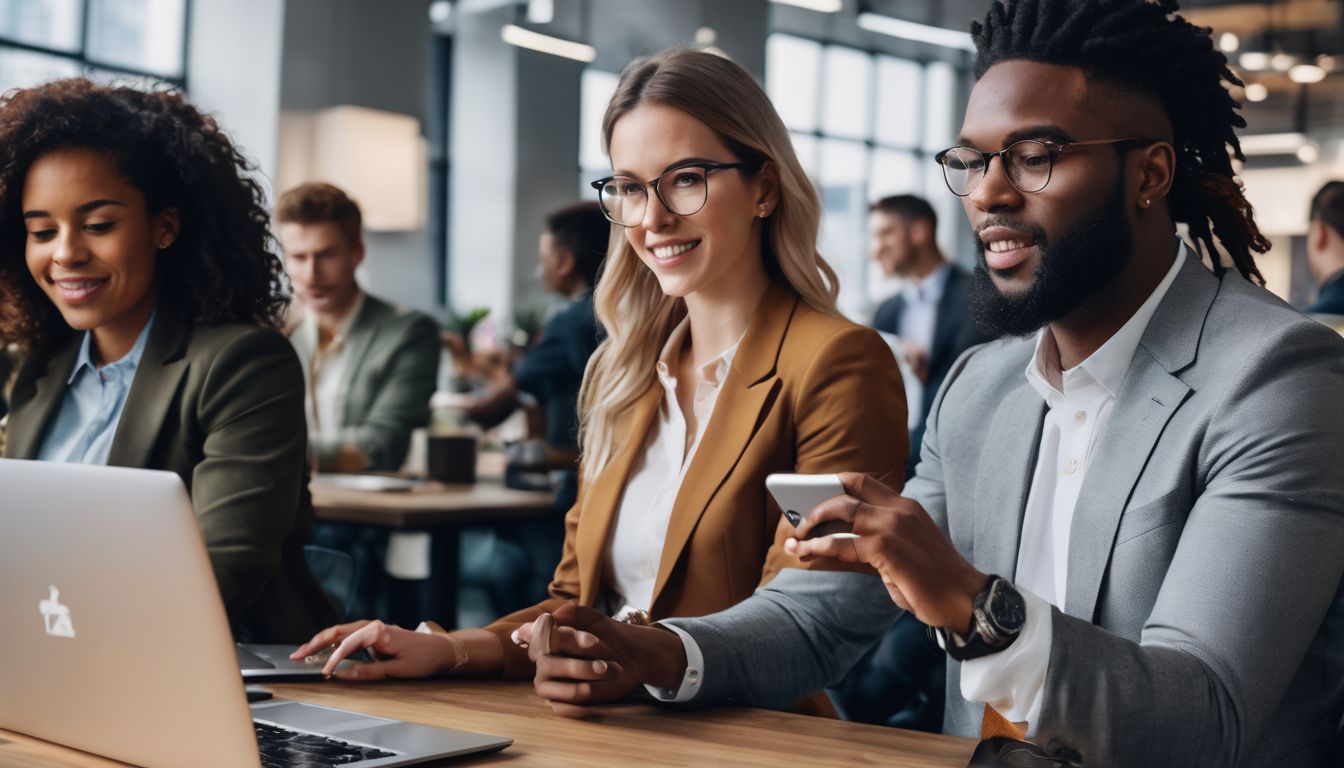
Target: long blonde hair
{"type": "Point", "coordinates": [637, 315]}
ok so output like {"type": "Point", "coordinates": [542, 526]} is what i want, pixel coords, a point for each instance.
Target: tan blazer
{"type": "Point", "coordinates": [808, 392]}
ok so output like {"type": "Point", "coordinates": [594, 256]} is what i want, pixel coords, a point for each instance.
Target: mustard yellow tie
{"type": "Point", "coordinates": [994, 724]}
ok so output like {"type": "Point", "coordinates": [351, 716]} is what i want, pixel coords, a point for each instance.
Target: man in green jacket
{"type": "Point", "coordinates": [369, 367]}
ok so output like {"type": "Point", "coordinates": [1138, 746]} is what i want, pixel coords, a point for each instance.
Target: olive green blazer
{"type": "Point", "coordinates": [222, 407]}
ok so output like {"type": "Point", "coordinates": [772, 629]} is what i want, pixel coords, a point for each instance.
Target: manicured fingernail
{"type": "Point", "coordinates": [600, 667]}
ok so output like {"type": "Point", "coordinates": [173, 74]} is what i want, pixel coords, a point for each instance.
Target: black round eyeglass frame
{"type": "Point", "coordinates": [1053, 149]}
{"type": "Point", "coordinates": [708, 168]}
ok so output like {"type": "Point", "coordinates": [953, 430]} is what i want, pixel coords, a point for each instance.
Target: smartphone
{"type": "Point", "coordinates": [797, 495]}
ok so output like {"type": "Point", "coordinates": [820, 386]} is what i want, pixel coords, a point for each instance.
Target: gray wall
{"type": "Point", "coordinates": [366, 54]}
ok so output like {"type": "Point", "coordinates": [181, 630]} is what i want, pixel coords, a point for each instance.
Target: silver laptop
{"type": "Point", "coordinates": [115, 640]}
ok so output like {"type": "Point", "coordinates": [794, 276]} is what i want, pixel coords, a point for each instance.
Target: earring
{"type": "Point", "coordinates": [1147, 202]}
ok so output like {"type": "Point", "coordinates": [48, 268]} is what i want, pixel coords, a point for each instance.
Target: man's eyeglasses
{"type": "Point", "coordinates": [682, 190]}
{"type": "Point", "coordinates": [1028, 163]}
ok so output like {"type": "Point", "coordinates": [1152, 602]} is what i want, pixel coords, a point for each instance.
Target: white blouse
{"type": "Point", "coordinates": [637, 537]}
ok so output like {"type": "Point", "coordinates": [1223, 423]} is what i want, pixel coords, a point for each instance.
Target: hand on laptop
{"type": "Point", "coordinates": [921, 569]}
{"type": "Point", "coordinates": [400, 652]}
{"type": "Point", "coordinates": [584, 657]}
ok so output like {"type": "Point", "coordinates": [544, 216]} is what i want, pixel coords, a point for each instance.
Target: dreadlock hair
{"type": "Point", "coordinates": [1145, 46]}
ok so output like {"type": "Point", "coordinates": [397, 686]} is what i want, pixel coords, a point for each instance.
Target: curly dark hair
{"type": "Point", "coordinates": [1145, 46]}
{"type": "Point", "coordinates": [222, 267]}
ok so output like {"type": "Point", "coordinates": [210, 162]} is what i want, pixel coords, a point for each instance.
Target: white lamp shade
{"type": "Point", "coordinates": [379, 159]}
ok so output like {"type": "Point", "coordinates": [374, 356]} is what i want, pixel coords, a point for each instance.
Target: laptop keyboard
{"type": "Point", "coordinates": [283, 748]}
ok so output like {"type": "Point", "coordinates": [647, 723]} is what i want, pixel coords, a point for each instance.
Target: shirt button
{"type": "Point", "coordinates": [1070, 466]}
{"type": "Point", "coordinates": [1080, 416]}
{"type": "Point", "coordinates": [692, 675]}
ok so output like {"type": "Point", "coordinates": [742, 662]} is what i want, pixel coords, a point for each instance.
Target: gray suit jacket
{"type": "Point", "coordinates": [1204, 618]}
{"type": "Point", "coordinates": [391, 372]}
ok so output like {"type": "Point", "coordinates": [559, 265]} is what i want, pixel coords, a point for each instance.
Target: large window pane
{"type": "Point", "coordinates": [48, 23]}
{"type": "Point", "coordinates": [139, 34]}
{"type": "Point", "coordinates": [847, 103]}
{"type": "Point", "coordinates": [22, 69]}
{"type": "Point", "coordinates": [895, 173]}
{"type": "Point", "coordinates": [843, 184]}
{"type": "Point", "coordinates": [899, 88]}
{"type": "Point", "coordinates": [805, 147]}
{"type": "Point", "coordinates": [939, 106]}
{"type": "Point", "coordinates": [792, 66]}
{"type": "Point", "coordinates": [595, 90]}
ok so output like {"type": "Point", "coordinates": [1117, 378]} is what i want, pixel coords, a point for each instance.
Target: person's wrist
{"type": "Point", "coordinates": [971, 584]}
{"type": "Point", "coordinates": [661, 661]}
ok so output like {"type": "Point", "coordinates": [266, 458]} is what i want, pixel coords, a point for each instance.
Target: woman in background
{"type": "Point", "coordinates": [136, 270]}
{"type": "Point", "coordinates": [725, 361]}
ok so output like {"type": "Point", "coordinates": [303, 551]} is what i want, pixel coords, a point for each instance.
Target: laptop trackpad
{"type": "Point", "coordinates": [311, 717]}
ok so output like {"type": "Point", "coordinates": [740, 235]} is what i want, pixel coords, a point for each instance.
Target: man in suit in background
{"type": "Point", "coordinates": [1325, 253]}
{"type": "Point", "coordinates": [369, 367]}
{"type": "Point", "coordinates": [1127, 526]}
{"type": "Point", "coordinates": [931, 315]}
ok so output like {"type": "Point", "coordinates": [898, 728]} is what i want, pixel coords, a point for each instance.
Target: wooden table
{"type": "Point", "coordinates": [624, 735]}
{"type": "Point", "coordinates": [440, 510]}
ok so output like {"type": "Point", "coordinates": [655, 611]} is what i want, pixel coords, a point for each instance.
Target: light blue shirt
{"type": "Point", "coordinates": [87, 421]}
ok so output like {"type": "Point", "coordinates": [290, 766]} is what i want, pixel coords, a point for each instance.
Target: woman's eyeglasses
{"type": "Point", "coordinates": [682, 191]}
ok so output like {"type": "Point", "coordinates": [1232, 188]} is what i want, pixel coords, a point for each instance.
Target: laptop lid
{"type": "Point", "coordinates": [115, 638]}
{"type": "Point", "coordinates": [117, 642]}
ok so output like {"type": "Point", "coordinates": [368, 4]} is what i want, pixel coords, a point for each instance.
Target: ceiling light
{"type": "Point", "coordinates": [535, 41]}
{"type": "Point", "coordinates": [439, 11]}
{"type": "Point", "coordinates": [540, 11]}
{"type": "Point", "coordinates": [1306, 73]}
{"type": "Point", "coordinates": [1254, 60]}
{"type": "Point", "coordinates": [921, 33]}
{"type": "Point", "coordinates": [1272, 143]}
{"type": "Point", "coordinates": [1308, 153]}
{"type": "Point", "coordinates": [1228, 42]}
{"type": "Point", "coordinates": [706, 36]}
{"type": "Point", "coordinates": [1282, 62]}
{"type": "Point", "coordinates": [1256, 92]}
{"type": "Point", "coordinates": [820, 6]}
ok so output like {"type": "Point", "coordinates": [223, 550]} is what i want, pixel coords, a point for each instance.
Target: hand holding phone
{"type": "Point", "coordinates": [798, 495]}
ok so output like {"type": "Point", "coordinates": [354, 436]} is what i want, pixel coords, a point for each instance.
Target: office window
{"type": "Point", "coordinates": [595, 90]}
{"type": "Point", "coordinates": [864, 126]}
{"type": "Point", "coordinates": [135, 42]}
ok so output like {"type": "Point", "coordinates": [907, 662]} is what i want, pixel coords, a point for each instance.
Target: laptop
{"type": "Point", "coordinates": [116, 642]}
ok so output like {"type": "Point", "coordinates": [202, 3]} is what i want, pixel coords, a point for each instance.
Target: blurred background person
{"type": "Point", "coordinates": [134, 268]}
{"type": "Point", "coordinates": [931, 316]}
{"type": "Point", "coordinates": [1325, 254]}
{"type": "Point", "coordinates": [514, 565]}
{"type": "Point", "coordinates": [369, 367]}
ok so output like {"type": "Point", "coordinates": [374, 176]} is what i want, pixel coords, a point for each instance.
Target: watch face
{"type": "Point", "coordinates": [1007, 609]}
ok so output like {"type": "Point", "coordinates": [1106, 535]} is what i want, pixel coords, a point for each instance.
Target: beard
{"type": "Point", "coordinates": [1087, 257]}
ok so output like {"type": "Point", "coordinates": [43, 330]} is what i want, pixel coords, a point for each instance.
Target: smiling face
{"type": "Point", "coordinates": [92, 245]}
{"type": "Point", "coordinates": [718, 246]}
{"type": "Point", "coordinates": [1041, 254]}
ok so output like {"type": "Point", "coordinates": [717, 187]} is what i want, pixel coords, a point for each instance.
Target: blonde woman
{"type": "Point", "coordinates": [725, 360]}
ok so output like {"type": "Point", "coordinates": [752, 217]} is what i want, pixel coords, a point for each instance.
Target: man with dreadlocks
{"type": "Point", "coordinates": [1136, 548]}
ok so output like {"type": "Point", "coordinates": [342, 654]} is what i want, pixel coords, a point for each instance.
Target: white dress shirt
{"type": "Point", "coordinates": [919, 310]}
{"type": "Point", "coordinates": [326, 373]}
{"type": "Point", "coordinates": [1013, 681]}
{"type": "Point", "coordinates": [636, 545]}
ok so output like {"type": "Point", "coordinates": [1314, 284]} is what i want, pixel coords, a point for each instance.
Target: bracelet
{"type": "Point", "coordinates": [460, 649]}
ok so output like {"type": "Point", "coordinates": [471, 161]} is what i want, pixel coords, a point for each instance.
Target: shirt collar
{"type": "Point", "coordinates": [130, 361]}
{"type": "Point", "coordinates": [342, 330]}
{"type": "Point", "coordinates": [930, 288]}
{"type": "Point", "coordinates": [712, 372]}
{"type": "Point", "coordinates": [1109, 364]}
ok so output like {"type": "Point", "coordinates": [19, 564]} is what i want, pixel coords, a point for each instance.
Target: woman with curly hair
{"type": "Point", "coordinates": [136, 270]}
